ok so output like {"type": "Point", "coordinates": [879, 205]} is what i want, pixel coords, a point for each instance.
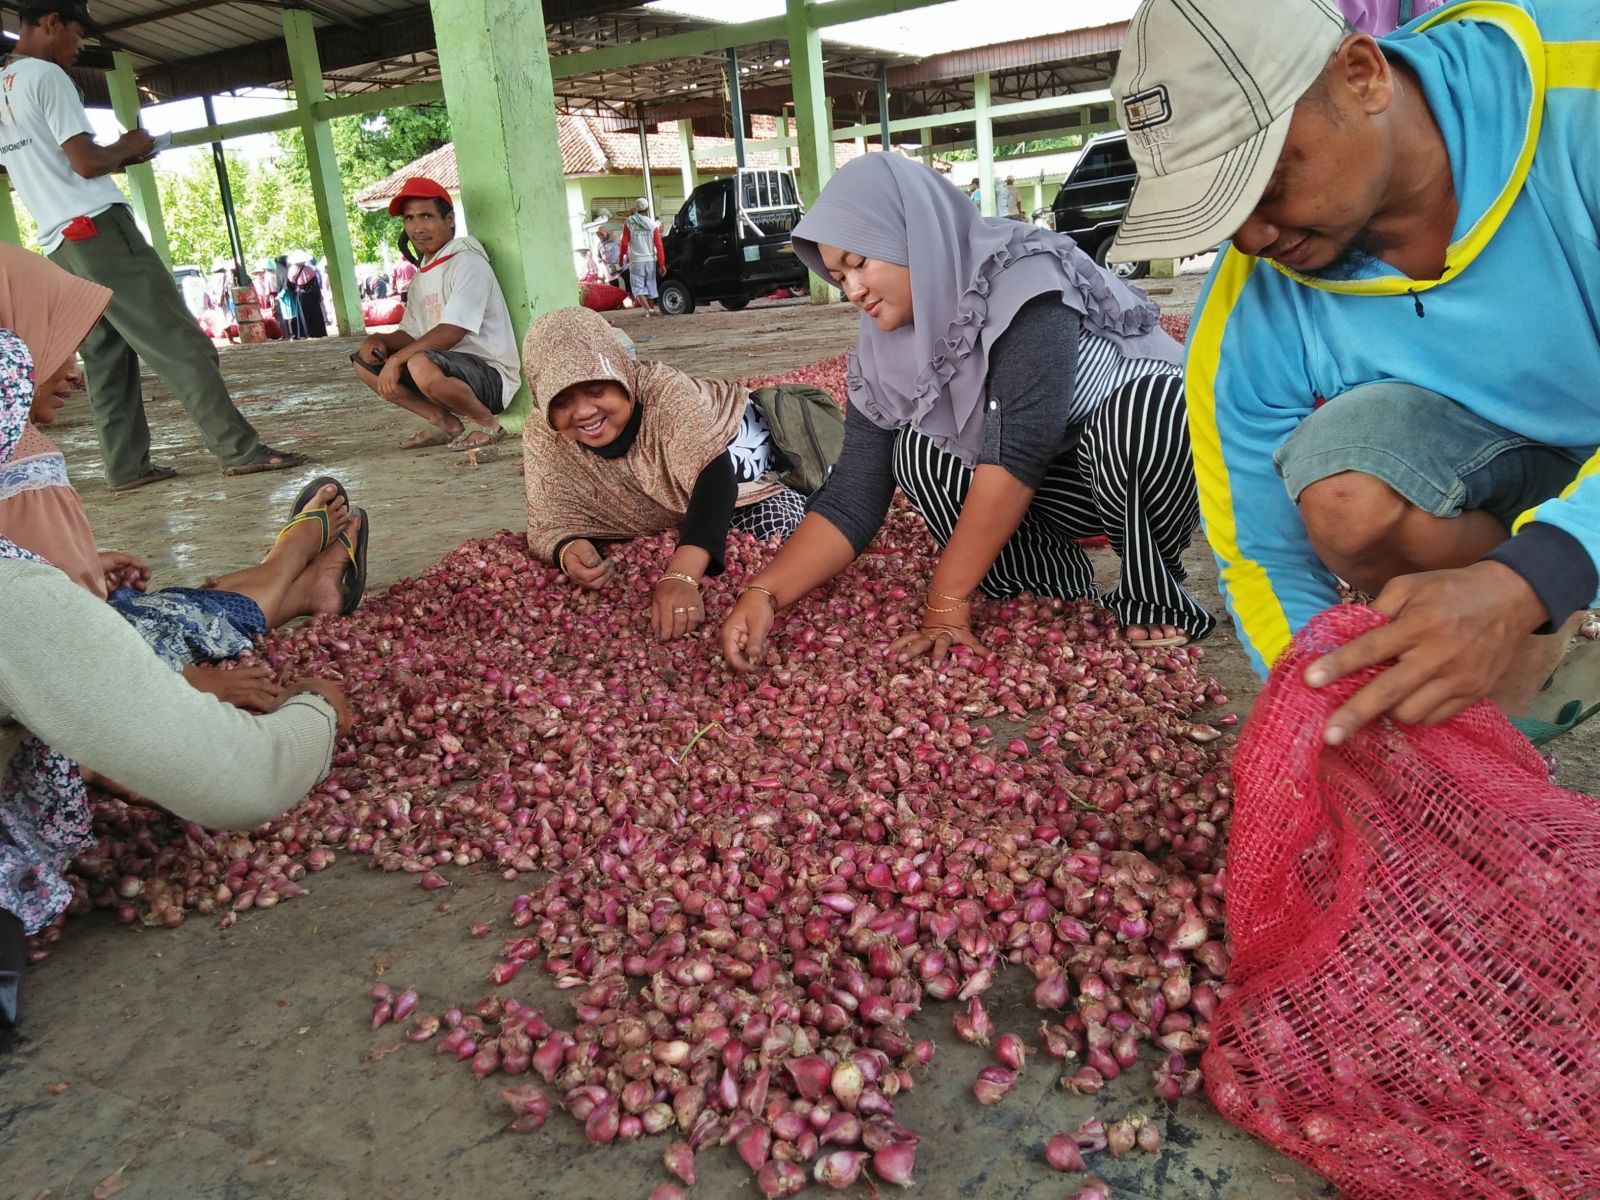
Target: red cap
{"type": "Point", "coordinates": [419, 187]}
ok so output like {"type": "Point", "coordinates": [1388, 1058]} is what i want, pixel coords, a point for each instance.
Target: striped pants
{"type": "Point", "coordinates": [1129, 479]}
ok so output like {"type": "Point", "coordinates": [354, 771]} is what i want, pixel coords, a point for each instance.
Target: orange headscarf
{"type": "Point", "coordinates": [49, 309]}
{"type": "Point", "coordinates": [52, 312]}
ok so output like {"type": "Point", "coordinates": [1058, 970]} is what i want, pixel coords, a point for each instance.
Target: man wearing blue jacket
{"type": "Point", "coordinates": [1394, 371]}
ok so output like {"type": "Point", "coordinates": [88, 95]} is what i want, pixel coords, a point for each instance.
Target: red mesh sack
{"type": "Point", "coordinates": [1415, 919]}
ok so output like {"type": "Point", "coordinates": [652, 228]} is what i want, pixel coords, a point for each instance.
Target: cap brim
{"type": "Point", "coordinates": [1189, 212]}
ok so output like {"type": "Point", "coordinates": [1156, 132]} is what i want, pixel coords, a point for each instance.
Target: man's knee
{"type": "Point", "coordinates": [1350, 515]}
{"type": "Point", "coordinates": [425, 375]}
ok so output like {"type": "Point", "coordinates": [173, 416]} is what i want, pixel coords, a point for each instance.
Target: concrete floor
{"type": "Point", "coordinates": [200, 1063]}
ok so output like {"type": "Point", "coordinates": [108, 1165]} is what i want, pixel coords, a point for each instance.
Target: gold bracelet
{"type": "Point", "coordinates": [682, 578]}
{"type": "Point", "coordinates": [561, 559]}
{"type": "Point", "coordinates": [931, 608]}
{"type": "Point", "coordinates": [771, 599]}
{"type": "Point", "coordinates": [955, 599]}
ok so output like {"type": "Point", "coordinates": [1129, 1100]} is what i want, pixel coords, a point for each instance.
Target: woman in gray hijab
{"type": "Point", "coordinates": [1023, 398]}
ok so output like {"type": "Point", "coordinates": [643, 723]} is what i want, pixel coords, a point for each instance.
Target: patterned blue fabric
{"type": "Point", "coordinates": [44, 807]}
{"type": "Point", "coordinates": [185, 626]}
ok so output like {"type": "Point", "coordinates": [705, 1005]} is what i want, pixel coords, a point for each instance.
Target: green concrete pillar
{"type": "Point", "coordinates": [813, 124]}
{"type": "Point", "coordinates": [686, 141]}
{"type": "Point", "coordinates": [496, 67]}
{"type": "Point", "coordinates": [790, 152]}
{"type": "Point", "coordinates": [927, 144]}
{"type": "Point", "coordinates": [8, 214]}
{"type": "Point", "coordinates": [124, 87]}
{"type": "Point", "coordinates": [985, 140]}
{"type": "Point", "coordinates": [1163, 268]}
{"type": "Point", "coordinates": [327, 189]}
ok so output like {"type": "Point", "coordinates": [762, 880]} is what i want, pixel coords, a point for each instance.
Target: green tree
{"type": "Point", "coordinates": [368, 149]}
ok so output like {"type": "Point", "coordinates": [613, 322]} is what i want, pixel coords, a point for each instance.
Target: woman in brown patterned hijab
{"type": "Point", "coordinates": [619, 449]}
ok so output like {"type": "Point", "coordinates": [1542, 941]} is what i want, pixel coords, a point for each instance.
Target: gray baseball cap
{"type": "Point", "coordinates": [1206, 90]}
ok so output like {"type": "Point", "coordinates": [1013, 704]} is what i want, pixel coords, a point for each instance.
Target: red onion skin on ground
{"type": "Point", "coordinates": [741, 885]}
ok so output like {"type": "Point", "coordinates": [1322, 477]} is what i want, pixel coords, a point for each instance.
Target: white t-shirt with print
{"type": "Point", "coordinates": [456, 286]}
{"type": "Point", "coordinates": [39, 110]}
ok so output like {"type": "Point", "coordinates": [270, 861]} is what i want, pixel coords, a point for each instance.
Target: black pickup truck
{"type": "Point", "coordinates": [730, 242]}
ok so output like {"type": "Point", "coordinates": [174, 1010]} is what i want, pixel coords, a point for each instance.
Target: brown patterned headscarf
{"type": "Point", "coordinates": [685, 424]}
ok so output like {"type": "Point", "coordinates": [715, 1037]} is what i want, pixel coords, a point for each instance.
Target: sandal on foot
{"type": "Point", "coordinates": [1178, 639]}
{"type": "Point", "coordinates": [267, 459]}
{"type": "Point", "coordinates": [1569, 697]}
{"type": "Point", "coordinates": [13, 957]}
{"type": "Point", "coordinates": [354, 580]}
{"type": "Point", "coordinates": [424, 438]}
{"type": "Point", "coordinates": [479, 439]}
{"type": "Point", "coordinates": [320, 516]}
{"type": "Point", "coordinates": [309, 493]}
{"type": "Point", "coordinates": [153, 475]}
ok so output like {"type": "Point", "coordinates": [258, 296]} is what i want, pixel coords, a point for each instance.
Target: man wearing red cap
{"type": "Point", "coordinates": [454, 357]}
{"type": "Point", "coordinates": [64, 179]}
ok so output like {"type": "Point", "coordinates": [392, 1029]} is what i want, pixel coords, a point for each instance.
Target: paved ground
{"type": "Point", "coordinates": [208, 1064]}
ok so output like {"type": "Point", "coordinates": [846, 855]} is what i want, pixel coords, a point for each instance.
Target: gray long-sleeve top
{"type": "Point", "coordinates": [78, 677]}
{"type": "Point", "coordinates": [1031, 419]}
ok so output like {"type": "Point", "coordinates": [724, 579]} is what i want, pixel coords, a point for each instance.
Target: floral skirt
{"type": "Point", "coordinates": [44, 825]}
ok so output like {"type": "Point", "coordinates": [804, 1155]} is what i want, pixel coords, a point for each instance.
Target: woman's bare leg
{"type": "Point", "coordinates": [270, 582]}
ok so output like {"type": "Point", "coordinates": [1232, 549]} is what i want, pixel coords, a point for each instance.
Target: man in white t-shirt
{"type": "Point", "coordinates": [64, 178]}
{"type": "Point", "coordinates": [454, 357]}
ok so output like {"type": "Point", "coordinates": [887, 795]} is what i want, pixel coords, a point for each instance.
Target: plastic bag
{"type": "Point", "coordinates": [1415, 924]}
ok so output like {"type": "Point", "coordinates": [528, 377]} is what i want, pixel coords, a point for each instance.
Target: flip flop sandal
{"type": "Point", "coordinates": [354, 579]}
{"type": "Point", "coordinates": [13, 957]}
{"type": "Point", "coordinates": [1180, 639]}
{"type": "Point", "coordinates": [267, 459]}
{"type": "Point", "coordinates": [153, 475]}
{"type": "Point", "coordinates": [319, 515]}
{"type": "Point", "coordinates": [309, 493]}
{"type": "Point", "coordinates": [1577, 678]}
{"type": "Point", "coordinates": [1568, 718]}
{"type": "Point", "coordinates": [495, 437]}
{"type": "Point", "coordinates": [437, 437]}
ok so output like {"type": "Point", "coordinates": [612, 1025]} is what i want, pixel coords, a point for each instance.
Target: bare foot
{"type": "Point", "coordinates": [316, 591]}
{"type": "Point", "coordinates": [1156, 635]}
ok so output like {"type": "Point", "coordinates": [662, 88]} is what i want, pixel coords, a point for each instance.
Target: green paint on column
{"type": "Point", "coordinates": [927, 144]}
{"type": "Point", "coordinates": [686, 144]}
{"type": "Point", "coordinates": [327, 189]}
{"type": "Point", "coordinates": [813, 123]}
{"type": "Point", "coordinates": [124, 87]}
{"type": "Point", "coordinates": [985, 138]}
{"type": "Point", "coordinates": [497, 85]}
{"type": "Point", "coordinates": [8, 214]}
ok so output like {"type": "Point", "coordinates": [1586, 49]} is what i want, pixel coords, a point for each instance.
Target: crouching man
{"type": "Point", "coordinates": [453, 359]}
{"type": "Point", "coordinates": [1392, 370]}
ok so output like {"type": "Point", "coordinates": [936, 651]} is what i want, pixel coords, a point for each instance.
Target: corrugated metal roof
{"type": "Point", "coordinates": [183, 48]}
{"type": "Point", "coordinates": [1011, 56]}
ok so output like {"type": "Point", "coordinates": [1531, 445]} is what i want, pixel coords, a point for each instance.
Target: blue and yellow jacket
{"type": "Point", "coordinates": [1511, 331]}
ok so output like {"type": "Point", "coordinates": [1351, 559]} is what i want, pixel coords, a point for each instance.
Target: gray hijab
{"type": "Point", "coordinates": [969, 277]}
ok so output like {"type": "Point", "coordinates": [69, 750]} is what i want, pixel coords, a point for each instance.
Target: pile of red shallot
{"type": "Point", "coordinates": [745, 884]}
